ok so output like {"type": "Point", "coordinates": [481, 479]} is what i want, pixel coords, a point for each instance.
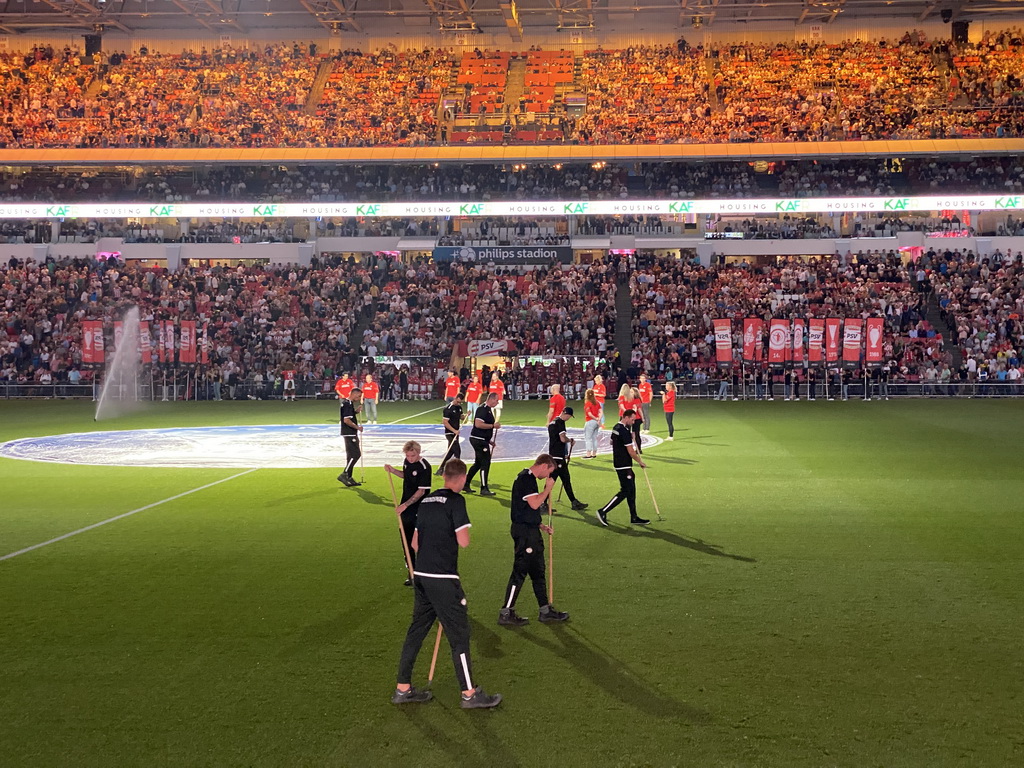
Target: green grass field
{"type": "Point", "coordinates": [835, 584]}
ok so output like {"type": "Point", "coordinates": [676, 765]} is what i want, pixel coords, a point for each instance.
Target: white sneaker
{"type": "Point", "coordinates": [670, 439]}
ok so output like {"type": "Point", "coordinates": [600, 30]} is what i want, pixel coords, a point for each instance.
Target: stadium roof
{"type": "Point", "coordinates": [240, 17]}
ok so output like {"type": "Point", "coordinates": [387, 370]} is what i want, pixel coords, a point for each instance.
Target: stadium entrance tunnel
{"type": "Point", "coordinates": [280, 446]}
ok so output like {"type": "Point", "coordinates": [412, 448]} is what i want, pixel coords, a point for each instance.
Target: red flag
{"type": "Point", "coordinates": [161, 350]}
{"type": "Point", "coordinates": [118, 334]}
{"type": "Point", "coordinates": [92, 342]}
{"type": "Point", "coordinates": [832, 339]}
{"type": "Point", "coordinates": [723, 343]}
{"type": "Point", "coordinates": [751, 339]}
{"type": "Point", "coordinates": [852, 332]}
{"type": "Point", "coordinates": [875, 332]}
{"type": "Point", "coordinates": [145, 343]}
{"type": "Point", "coordinates": [205, 348]}
{"type": "Point", "coordinates": [798, 342]}
{"type": "Point", "coordinates": [778, 340]}
{"type": "Point", "coordinates": [187, 347]}
{"type": "Point", "coordinates": [169, 340]}
{"type": "Point", "coordinates": [815, 339]}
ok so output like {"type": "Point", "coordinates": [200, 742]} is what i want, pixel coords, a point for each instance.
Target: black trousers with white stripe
{"type": "Point", "coordinates": [482, 464]}
{"type": "Point", "coordinates": [352, 453]}
{"type": "Point", "coordinates": [444, 600]}
{"type": "Point", "coordinates": [627, 492]}
{"type": "Point", "coordinates": [528, 561]}
{"type": "Point", "coordinates": [452, 452]}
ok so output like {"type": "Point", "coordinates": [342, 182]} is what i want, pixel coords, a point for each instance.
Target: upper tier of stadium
{"type": "Point", "coordinates": [907, 89]}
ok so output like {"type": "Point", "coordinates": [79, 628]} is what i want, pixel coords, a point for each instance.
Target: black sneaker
{"type": "Point", "coordinates": [578, 505]}
{"type": "Point", "coordinates": [408, 583]}
{"type": "Point", "coordinates": [467, 489]}
{"type": "Point", "coordinates": [548, 615]}
{"type": "Point", "coordinates": [508, 617]}
{"type": "Point", "coordinates": [602, 517]}
{"type": "Point", "coordinates": [639, 521]}
{"type": "Point", "coordinates": [439, 472]}
{"type": "Point", "coordinates": [412, 696]}
{"type": "Point", "coordinates": [345, 480]}
{"type": "Point", "coordinates": [352, 482]}
{"type": "Point", "coordinates": [480, 700]}
{"type": "Point", "coordinates": [487, 492]}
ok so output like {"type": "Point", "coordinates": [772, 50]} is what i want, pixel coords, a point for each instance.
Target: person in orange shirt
{"type": "Point", "coordinates": [668, 399]}
{"type": "Point", "coordinates": [600, 393]}
{"type": "Point", "coordinates": [473, 394]}
{"type": "Point", "coordinates": [591, 423]}
{"type": "Point", "coordinates": [371, 391]}
{"type": "Point", "coordinates": [646, 395]}
{"type": "Point", "coordinates": [556, 403]}
{"type": "Point", "coordinates": [497, 388]}
{"type": "Point", "coordinates": [629, 400]}
{"type": "Point", "coordinates": [344, 387]}
{"type": "Point", "coordinates": [451, 387]}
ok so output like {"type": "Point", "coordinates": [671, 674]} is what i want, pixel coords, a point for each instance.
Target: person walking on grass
{"type": "Point", "coordinates": [528, 504]}
{"type": "Point", "coordinates": [442, 529]}
{"type": "Point", "coordinates": [668, 401]}
{"type": "Point", "coordinates": [624, 453]}
{"type": "Point", "coordinates": [415, 476]}
{"type": "Point", "coordinates": [591, 423]}
{"type": "Point", "coordinates": [482, 437]}
{"type": "Point", "coordinates": [350, 430]}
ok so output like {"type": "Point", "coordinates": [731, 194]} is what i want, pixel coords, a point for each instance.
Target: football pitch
{"type": "Point", "coordinates": [834, 584]}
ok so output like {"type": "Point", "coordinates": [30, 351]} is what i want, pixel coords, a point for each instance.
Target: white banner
{"type": "Point", "coordinates": [506, 208]}
{"type": "Point", "coordinates": [485, 347]}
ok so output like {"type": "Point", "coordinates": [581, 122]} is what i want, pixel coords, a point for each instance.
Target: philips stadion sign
{"type": "Point", "coordinates": [506, 208]}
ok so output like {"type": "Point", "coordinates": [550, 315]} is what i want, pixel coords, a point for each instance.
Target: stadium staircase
{"type": "Point", "coordinates": [624, 321]}
{"type": "Point", "coordinates": [316, 91]}
{"type": "Point", "coordinates": [940, 322]}
{"type": "Point", "coordinates": [515, 84]}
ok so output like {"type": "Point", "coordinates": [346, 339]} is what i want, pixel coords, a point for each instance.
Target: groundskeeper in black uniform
{"type": "Point", "coordinates": [558, 439]}
{"type": "Point", "coordinates": [350, 429]}
{"type": "Point", "coordinates": [481, 438]}
{"type": "Point", "coordinates": [623, 454]}
{"type": "Point", "coordinates": [451, 420]}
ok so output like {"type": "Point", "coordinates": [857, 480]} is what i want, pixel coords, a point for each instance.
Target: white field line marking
{"type": "Point", "coordinates": [124, 515]}
{"type": "Point", "coordinates": [421, 413]}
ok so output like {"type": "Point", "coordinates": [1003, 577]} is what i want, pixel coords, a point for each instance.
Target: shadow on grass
{"type": "Point", "coordinates": [493, 750]}
{"type": "Point", "coordinates": [613, 675]}
{"type": "Point", "coordinates": [487, 641]}
{"type": "Point", "coordinates": [668, 459]}
{"type": "Point", "coordinates": [697, 545]}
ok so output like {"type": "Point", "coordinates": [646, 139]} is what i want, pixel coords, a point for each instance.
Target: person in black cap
{"type": "Point", "coordinates": [350, 429]}
{"type": "Point", "coordinates": [482, 439]}
{"type": "Point", "coordinates": [451, 420]}
{"type": "Point", "coordinates": [415, 474]}
{"type": "Point", "coordinates": [557, 441]}
{"type": "Point", "coordinates": [527, 507]}
{"type": "Point", "coordinates": [442, 528]}
{"type": "Point", "coordinates": [623, 454]}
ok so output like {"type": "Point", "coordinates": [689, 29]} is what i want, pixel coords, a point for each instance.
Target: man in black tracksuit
{"type": "Point", "coordinates": [482, 439]}
{"type": "Point", "coordinates": [527, 506]}
{"type": "Point", "coordinates": [415, 474]}
{"type": "Point", "coordinates": [451, 420]}
{"type": "Point", "coordinates": [623, 454]}
{"type": "Point", "coordinates": [350, 429]}
{"type": "Point", "coordinates": [442, 527]}
{"type": "Point", "coordinates": [557, 441]}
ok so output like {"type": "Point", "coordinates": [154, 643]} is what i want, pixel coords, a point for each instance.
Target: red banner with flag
{"type": "Point", "coordinates": [169, 340]}
{"type": "Point", "coordinates": [874, 332]}
{"type": "Point", "coordinates": [118, 335]}
{"type": "Point", "coordinates": [798, 342]}
{"type": "Point", "coordinates": [204, 349]}
{"type": "Point", "coordinates": [852, 332]}
{"type": "Point", "coordinates": [832, 339]}
{"type": "Point", "coordinates": [815, 339]}
{"type": "Point", "coordinates": [751, 339]}
{"type": "Point", "coordinates": [723, 343]}
{"type": "Point", "coordinates": [161, 350]}
{"type": "Point", "coordinates": [92, 342]}
{"type": "Point", "coordinates": [778, 341]}
{"type": "Point", "coordinates": [145, 343]}
{"type": "Point", "coordinates": [187, 345]}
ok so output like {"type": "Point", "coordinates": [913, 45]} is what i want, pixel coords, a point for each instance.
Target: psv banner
{"type": "Point", "coordinates": [873, 351]}
{"type": "Point", "coordinates": [751, 339]}
{"type": "Point", "coordinates": [798, 342]}
{"type": "Point", "coordinates": [204, 349]}
{"type": "Point", "coordinates": [145, 343]}
{"type": "Point", "coordinates": [778, 341]}
{"type": "Point", "coordinates": [723, 343]}
{"type": "Point", "coordinates": [852, 332]}
{"type": "Point", "coordinates": [187, 345]}
{"type": "Point", "coordinates": [815, 339]}
{"type": "Point", "coordinates": [118, 335]}
{"type": "Point", "coordinates": [832, 339]}
{"type": "Point", "coordinates": [92, 342]}
{"type": "Point", "coordinates": [168, 340]}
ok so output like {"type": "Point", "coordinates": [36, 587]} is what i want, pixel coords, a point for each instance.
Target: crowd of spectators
{"type": "Point", "coordinates": [910, 88]}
